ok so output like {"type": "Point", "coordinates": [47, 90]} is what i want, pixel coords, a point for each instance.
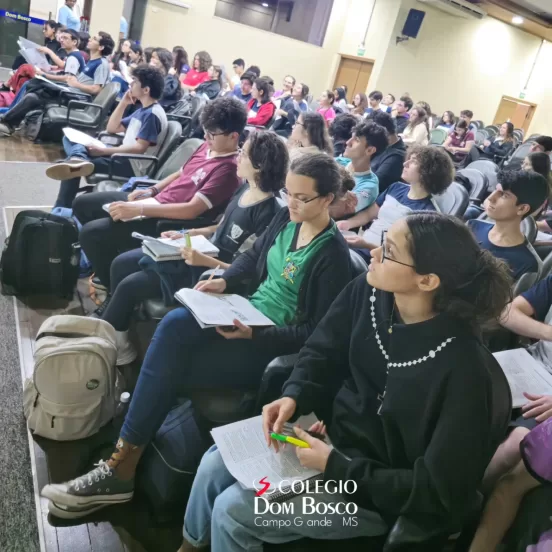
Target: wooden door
{"type": "Point", "coordinates": [518, 112]}
{"type": "Point", "coordinates": [353, 72]}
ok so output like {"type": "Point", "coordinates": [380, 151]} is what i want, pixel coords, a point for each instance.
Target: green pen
{"type": "Point", "coordinates": [290, 440]}
{"type": "Point", "coordinates": [188, 240]}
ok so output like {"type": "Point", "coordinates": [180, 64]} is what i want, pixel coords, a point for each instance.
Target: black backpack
{"type": "Point", "coordinates": [41, 256]}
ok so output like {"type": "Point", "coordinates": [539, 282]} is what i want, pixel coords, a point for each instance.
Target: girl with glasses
{"type": "Point", "coordinates": [295, 270]}
{"type": "Point", "coordinates": [398, 370]}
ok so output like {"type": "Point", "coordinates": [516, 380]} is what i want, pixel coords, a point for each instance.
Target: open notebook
{"type": "Point", "coordinates": [524, 373]}
{"type": "Point", "coordinates": [165, 249]}
{"type": "Point", "coordinates": [212, 310]}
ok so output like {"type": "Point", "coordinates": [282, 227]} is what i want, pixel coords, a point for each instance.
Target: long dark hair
{"type": "Point", "coordinates": [452, 119]}
{"type": "Point", "coordinates": [180, 58]}
{"type": "Point", "coordinates": [475, 286]}
{"type": "Point", "coordinates": [510, 132]}
{"type": "Point", "coordinates": [540, 162]}
{"type": "Point", "coordinates": [266, 86]}
{"type": "Point", "coordinates": [421, 119]}
{"type": "Point", "coordinates": [341, 93]}
{"type": "Point", "coordinates": [165, 57]}
{"type": "Point", "coordinates": [137, 49]}
{"type": "Point", "coordinates": [317, 131]}
{"type": "Point", "coordinates": [362, 106]}
{"type": "Point", "coordinates": [205, 61]}
{"type": "Point", "coordinates": [269, 155]}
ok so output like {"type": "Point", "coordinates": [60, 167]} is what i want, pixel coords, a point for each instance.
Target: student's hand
{"type": "Point", "coordinates": [44, 50]}
{"type": "Point", "coordinates": [72, 80]}
{"type": "Point", "coordinates": [275, 415]}
{"type": "Point", "coordinates": [193, 257]}
{"type": "Point", "coordinates": [139, 193]}
{"type": "Point", "coordinates": [240, 331]}
{"type": "Point", "coordinates": [281, 112]}
{"type": "Point", "coordinates": [172, 234]}
{"type": "Point", "coordinates": [319, 427]}
{"type": "Point", "coordinates": [172, 71]}
{"type": "Point", "coordinates": [356, 242]}
{"type": "Point", "coordinates": [538, 407]}
{"type": "Point", "coordinates": [128, 98]}
{"type": "Point", "coordinates": [214, 286]}
{"type": "Point", "coordinates": [351, 201]}
{"type": "Point", "coordinates": [38, 71]}
{"type": "Point", "coordinates": [344, 225]}
{"type": "Point", "coordinates": [315, 457]}
{"type": "Point", "coordinates": [487, 143]}
{"type": "Point", "coordinates": [93, 151]}
{"type": "Point", "coordinates": [121, 210]}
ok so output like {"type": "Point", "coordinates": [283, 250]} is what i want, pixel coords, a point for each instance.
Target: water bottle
{"type": "Point", "coordinates": [121, 410]}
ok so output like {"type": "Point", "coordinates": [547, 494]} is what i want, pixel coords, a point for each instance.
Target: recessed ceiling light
{"type": "Point", "coordinates": [517, 20]}
{"type": "Point", "coordinates": [265, 5]}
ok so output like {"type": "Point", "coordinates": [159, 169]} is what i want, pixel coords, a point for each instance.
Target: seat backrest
{"type": "Point", "coordinates": [489, 169]}
{"type": "Point", "coordinates": [314, 105]}
{"type": "Point", "coordinates": [480, 124]}
{"type": "Point", "coordinates": [178, 158]}
{"type": "Point", "coordinates": [174, 130]}
{"type": "Point", "coordinates": [438, 136]}
{"type": "Point", "coordinates": [478, 183]}
{"type": "Point", "coordinates": [525, 282]}
{"type": "Point", "coordinates": [518, 155]}
{"type": "Point", "coordinates": [454, 200]}
{"type": "Point", "coordinates": [492, 130]}
{"type": "Point", "coordinates": [481, 136]}
{"type": "Point", "coordinates": [105, 99]}
{"type": "Point", "coordinates": [546, 266]}
{"type": "Point", "coordinates": [358, 263]}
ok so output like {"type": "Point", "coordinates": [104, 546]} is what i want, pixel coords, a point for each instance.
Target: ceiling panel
{"type": "Point", "coordinates": [541, 8]}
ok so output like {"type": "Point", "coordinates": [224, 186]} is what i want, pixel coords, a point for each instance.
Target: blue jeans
{"type": "Point", "coordinates": [182, 357]}
{"type": "Point", "coordinates": [221, 512]}
{"type": "Point", "coordinates": [69, 189]}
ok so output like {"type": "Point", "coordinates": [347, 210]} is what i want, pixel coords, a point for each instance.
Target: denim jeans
{"type": "Point", "coordinates": [221, 512]}
{"type": "Point", "coordinates": [182, 357]}
{"type": "Point", "coordinates": [69, 189]}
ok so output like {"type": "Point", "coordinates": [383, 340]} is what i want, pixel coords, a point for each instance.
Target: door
{"type": "Point", "coordinates": [11, 30]}
{"type": "Point", "coordinates": [518, 112]}
{"type": "Point", "coordinates": [353, 72]}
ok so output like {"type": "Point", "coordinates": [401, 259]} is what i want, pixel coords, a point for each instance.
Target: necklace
{"type": "Point", "coordinates": [430, 354]}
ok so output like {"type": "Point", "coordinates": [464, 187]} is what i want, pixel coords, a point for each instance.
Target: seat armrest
{"type": "Point", "coordinates": [73, 93]}
{"type": "Point", "coordinates": [129, 156]}
{"type": "Point", "coordinates": [76, 103]}
{"type": "Point", "coordinates": [114, 139]}
{"type": "Point", "coordinates": [274, 376]}
{"type": "Point", "coordinates": [164, 225]}
{"type": "Point", "coordinates": [144, 183]}
{"type": "Point", "coordinates": [216, 272]}
{"type": "Point", "coordinates": [179, 118]}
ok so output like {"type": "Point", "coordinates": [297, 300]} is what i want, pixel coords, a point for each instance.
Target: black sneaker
{"type": "Point", "coordinates": [99, 486]}
{"type": "Point", "coordinates": [66, 512]}
{"type": "Point", "coordinates": [96, 282]}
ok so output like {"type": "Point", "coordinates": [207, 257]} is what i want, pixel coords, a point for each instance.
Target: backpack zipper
{"type": "Point", "coordinates": [53, 418]}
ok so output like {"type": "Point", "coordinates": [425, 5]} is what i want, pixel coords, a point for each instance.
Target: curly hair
{"type": "Point", "coordinates": [347, 181]}
{"type": "Point", "coordinates": [151, 77]}
{"type": "Point", "coordinates": [435, 168]}
{"type": "Point", "coordinates": [315, 127]}
{"type": "Point", "coordinates": [225, 114]}
{"type": "Point", "coordinates": [342, 127]}
{"type": "Point", "coordinates": [269, 155]}
{"type": "Point", "coordinates": [205, 61]}
{"type": "Point", "coordinates": [375, 135]}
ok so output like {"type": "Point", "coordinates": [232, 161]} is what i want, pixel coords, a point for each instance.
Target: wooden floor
{"type": "Point", "coordinates": [17, 148]}
{"type": "Point", "coordinates": [123, 528]}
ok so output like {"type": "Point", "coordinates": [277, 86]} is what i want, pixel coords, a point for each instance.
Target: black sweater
{"type": "Point", "coordinates": [330, 271]}
{"type": "Point", "coordinates": [388, 165]}
{"type": "Point", "coordinates": [425, 456]}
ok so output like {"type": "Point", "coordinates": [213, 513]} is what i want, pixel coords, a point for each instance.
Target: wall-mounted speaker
{"type": "Point", "coordinates": [413, 23]}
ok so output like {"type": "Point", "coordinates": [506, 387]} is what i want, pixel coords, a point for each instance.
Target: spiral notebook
{"type": "Point", "coordinates": [248, 458]}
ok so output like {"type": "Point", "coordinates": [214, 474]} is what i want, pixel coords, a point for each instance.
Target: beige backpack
{"type": "Point", "coordinates": [74, 389]}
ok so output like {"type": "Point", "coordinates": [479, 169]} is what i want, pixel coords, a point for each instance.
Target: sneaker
{"type": "Point", "coordinates": [99, 486]}
{"type": "Point", "coordinates": [72, 168]}
{"type": "Point", "coordinates": [126, 353]}
{"type": "Point", "coordinates": [97, 283]}
{"type": "Point", "coordinates": [110, 482]}
{"type": "Point", "coordinates": [6, 130]}
{"type": "Point", "coordinates": [67, 512]}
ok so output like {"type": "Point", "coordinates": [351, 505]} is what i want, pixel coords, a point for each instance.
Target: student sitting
{"type": "Point", "coordinates": [447, 121]}
{"type": "Point", "coordinates": [517, 195]}
{"type": "Point", "coordinates": [238, 65]}
{"type": "Point", "coordinates": [467, 115]}
{"type": "Point", "coordinates": [399, 363]}
{"type": "Point", "coordinates": [260, 108]}
{"type": "Point", "coordinates": [368, 140]}
{"type": "Point", "coordinates": [417, 129]}
{"type": "Point", "coordinates": [459, 142]}
{"type": "Point", "coordinates": [374, 102]}
{"type": "Point", "coordinates": [198, 73]}
{"type": "Point", "coordinates": [287, 88]}
{"type": "Point", "coordinates": [135, 55]}
{"type": "Point", "coordinates": [299, 93]}
{"type": "Point", "coordinates": [427, 108]}
{"type": "Point", "coordinates": [73, 62]}
{"type": "Point", "coordinates": [388, 165]}
{"type": "Point", "coordinates": [359, 105]}
{"type": "Point", "coordinates": [341, 131]}
{"type": "Point", "coordinates": [162, 59]}
{"type": "Point", "coordinates": [389, 101]}
{"type": "Point", "coordinates": [203, 186]}
{"type": "Point", "coordinates": [497, 148]}
{"type": "Point", "coordinates": [326, 106]}
{"type": "Point", "coordinates": [286, 116]}
{"type": "Point", "coordinates": [49, 31]}
{"type": "Point", "coordinates": [144, 130]}
{"type": "Point", "coordinates": [297, 268]}
{"type": "Point", "coordinates": [242, 91]}
{"type": "Point", "coordinates": [262, 164]}
{"type": "Point", "coordinates": [542, 143]}
{"type": "Point", "coordinates": [309, 135]}
{"type": "Point", "coordinates": [211, 88]}
{"type": "Point", "coordinates": [427, 171]}
{"type": "Point", "coordinates": [180, 62]}
{"type": "Point", "coordinates": [341, 100]}
{"type": "Point", "coordinates": [90, 81]}
{"type": "Point", "coordinates": [402, 116]}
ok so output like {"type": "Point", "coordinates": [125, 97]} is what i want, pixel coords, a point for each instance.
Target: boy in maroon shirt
{"type": "Point", "coordinates": [202, 187]}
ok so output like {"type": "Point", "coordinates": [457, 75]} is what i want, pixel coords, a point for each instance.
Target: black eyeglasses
{"type": "Point", "coordinates": [384, 252]}
{"type": "Point", "coordinates": [284, 194]}
{"type": "Point", "coordinates": [210, 135]}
